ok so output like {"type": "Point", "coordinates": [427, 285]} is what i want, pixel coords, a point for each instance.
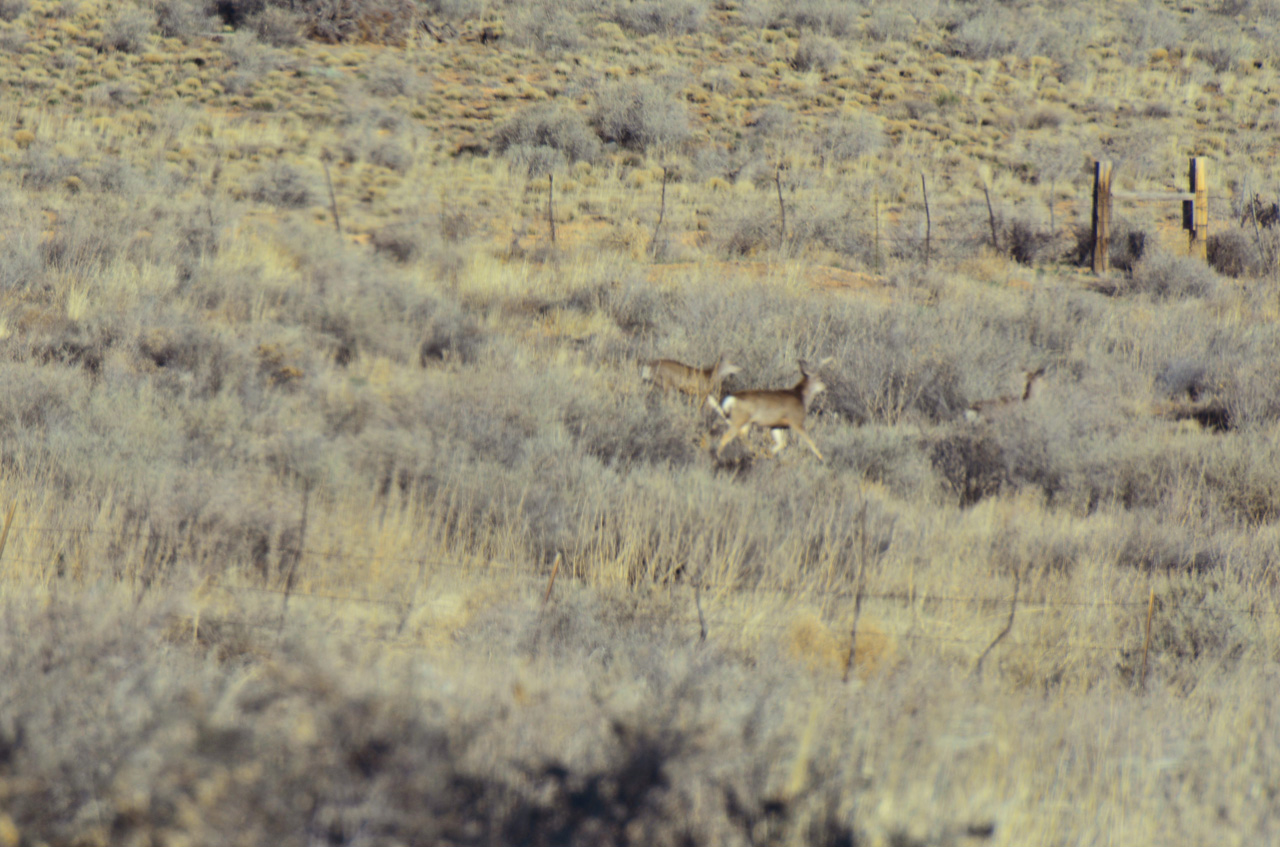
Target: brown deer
{"type": "Point", "coordinates": [777, 410]}
{"type": "Point", "coordinates": [985, 410]}
{"type": "Point", "coordinates": [696, 382]}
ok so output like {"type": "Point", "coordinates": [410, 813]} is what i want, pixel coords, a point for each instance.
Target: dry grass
{"type": "Point", "coordinates": [288, 494]}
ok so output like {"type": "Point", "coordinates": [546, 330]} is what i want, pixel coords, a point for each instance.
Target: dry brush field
{"type": "Point", "coordinates": [367, 530]}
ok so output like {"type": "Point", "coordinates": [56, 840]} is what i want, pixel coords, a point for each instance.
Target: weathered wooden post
{"type": "Point", "coordinates": [928, 222]}
{"type": "Point", "coordinates": [8, 522]}
{"type": "Point", "coordinates": [551, 209]}
{"type": "Point", "coordinates": [1146, 641]}
{"type": "Point", "coordinates": [1199, 218]}
{"type": "Point", "coordinates": [1101, 216]}
{"type": "Point", "coordinates": [782, 209]}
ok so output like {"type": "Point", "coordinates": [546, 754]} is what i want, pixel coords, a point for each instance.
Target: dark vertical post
{"type": "Point", "coordinates": [1199, 187]}
{"type": "Point", "coordinates": [1101, 216]}
{"type": "Point", "coordinates": [991, 218]}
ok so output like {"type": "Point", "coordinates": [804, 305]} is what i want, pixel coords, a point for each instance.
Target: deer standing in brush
{"type": "Point", "coordinates": [985, 410]}
{"type": "Point", "coordinates": [696, 382]}
{"type": "Point", "coordinates": [777, 410]}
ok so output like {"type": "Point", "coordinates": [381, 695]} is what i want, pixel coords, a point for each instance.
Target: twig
{"type": "Point", "coordinates": [876, 204]}
{"type": "Point", "coordinates": [551, 199]}
{"type": "Point", "coordinates": [1053, 227]}
{"type": "Point", "coordinates": [857, 598]}
{"type": "Point", "coordinates": [1013, 610]}
{"type": "Point", "coordinates": [1257, 232]}
{"type": "Point", "coordinates": [551, 583]}
{"type": "Point", "coordinates": [662, 212]}
{"type": "Point", "coordinates": [928, 222]}
{"type": "Point", "coordinates": [413, 595]}
{"type": "Point", "coordinates": [782, 209]}
{"type": "Point", "coordinates": [333, 199]}
{"type": "Point", "coordinates": [8, 522]}
{"type": "Point", "coordinates": [991, 217]}
{"type": "Point", "coordinates": [291, 576]}
{"type": "Point", "coordinates": [697, 602]}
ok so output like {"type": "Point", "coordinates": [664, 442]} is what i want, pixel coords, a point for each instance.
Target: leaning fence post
{"type": "Point", "coordinates": [8, 522]}
{"type": "Point", "coordinates": [1101, 216]}
{"type": "Point", "coordinates": [991, 218]}
{"type": "Point", "coordinates": [551, 583]}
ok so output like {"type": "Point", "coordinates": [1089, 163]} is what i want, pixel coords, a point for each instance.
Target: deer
{"type": "Point", "coordinates": [696, 382]}
{"type": "Point", "coordinates": [985, 410]}
{"type": "Point", "coordinates": [777, 410]}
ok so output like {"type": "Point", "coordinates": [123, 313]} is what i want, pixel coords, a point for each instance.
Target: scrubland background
{"type": "Point", "coordinates": [288, 491]}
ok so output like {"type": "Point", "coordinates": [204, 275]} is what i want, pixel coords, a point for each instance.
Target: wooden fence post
{"type": "Point", "coordinates": [863, 555]}
{"type": "Point", "coordinates": [1101, 216]}
{"type": "Point", "coordinates": [991, 218]}
{"type": "Point", "coordinates": [551, 583]}
{"type": "Point", "coordinates": [876, 212]}
{"type": "Point", "coordinates": [697, 604]}
{"type": "Point", "coordinates": [8, 522]}
{"type": "Point", "coordinates": [333, 199]}
{"type": "Point", "coordinates": [551, 211]}
{"type": "Point", "coordinates": [1199, 187]}
{"type": "Point", "coordinates": [662, 213]}
{"type": "Point", "coordinates": [1146, 640]}
{"type": "Point", "coordinates": [782, 210]}
{"type": "Point", "coordinates": [928, 222]}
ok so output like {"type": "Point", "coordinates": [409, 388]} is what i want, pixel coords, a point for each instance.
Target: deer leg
{"type": "Point", "coordinates": [779, 440]}
{"type": "Point", "coordinates": [728, 437]}
{"type": "Point", "coordinates": [809, 441]}
{"type": "Point", "coordinates": [711, 401]}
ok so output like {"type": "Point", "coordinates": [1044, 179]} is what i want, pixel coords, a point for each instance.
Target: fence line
{"type": "Point", "coordinates": [534, 581]}
{"type": "Point", "coordinates": [529, 574]}
{"type": "Point", "coordinates": [692, 622]}
{"type": "Point", "coordinates": [690, 619]}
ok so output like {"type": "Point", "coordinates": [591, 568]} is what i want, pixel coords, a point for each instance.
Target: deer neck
{"type": "Point", "coordinates": [804, 390]}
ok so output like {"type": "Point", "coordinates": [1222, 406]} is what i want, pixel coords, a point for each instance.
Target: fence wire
{"type": "Point", "coordinates": [711, 592]}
